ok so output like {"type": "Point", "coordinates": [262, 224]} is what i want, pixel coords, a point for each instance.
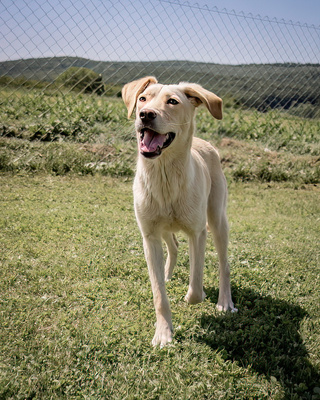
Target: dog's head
{"type": "Point", "coordinates": [165, 113]}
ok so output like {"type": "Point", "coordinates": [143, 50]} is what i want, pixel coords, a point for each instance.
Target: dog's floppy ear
{"type": "Point", "coordinates": [131, 91]}
{"type": "Point", "coordinates": [199, 95]}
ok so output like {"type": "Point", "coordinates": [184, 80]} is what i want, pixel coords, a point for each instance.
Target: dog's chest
{"type": "Point", "coordinates": [173, 196]}
{"type": "Point", "coordinates": [170, 207]}
{"type": "Point", "coordinates": [171, 215]}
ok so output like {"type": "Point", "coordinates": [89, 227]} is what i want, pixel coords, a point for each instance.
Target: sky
{"type": "Point", "coordinates": [304, 11]}
{"type": "Point", "coordinates": [141, 30]}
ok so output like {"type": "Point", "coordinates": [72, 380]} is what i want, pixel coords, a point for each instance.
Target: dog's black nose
{"type": "Point", "coordinates": [147, 115]}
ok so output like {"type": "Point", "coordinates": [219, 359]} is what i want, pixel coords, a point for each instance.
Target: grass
{"type": "Point", "coordinates": [47, 116]}
{"type": "Point", "coordinates": [76, 305]}
{"type": "Point", "coordinates": [82, 134]}
{"type": "Point", "coordinates": [76, 310]}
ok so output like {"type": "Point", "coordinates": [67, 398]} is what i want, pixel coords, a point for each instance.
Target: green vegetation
{"type": "Point", "coordinates": [48, 116]}
{"type": "Point", "coordinates": [76, 305]}
{"type": "Point", "coordinates": [76, 310]}
{"type": "Point", "coordinates": [67, 132]}
{"type": "Point", "coordinates": [293, 87]}
{"type": "Point", "coordinates": [22, 82]}
{"type": "Point", "coordinates": [83, 80]}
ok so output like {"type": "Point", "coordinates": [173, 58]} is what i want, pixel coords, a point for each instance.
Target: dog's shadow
{"type": "Point", "coordinates": [264, 335]}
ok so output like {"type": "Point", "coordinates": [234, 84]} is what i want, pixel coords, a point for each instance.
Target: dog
{"type": "Point", "coordinates": [179, 185]}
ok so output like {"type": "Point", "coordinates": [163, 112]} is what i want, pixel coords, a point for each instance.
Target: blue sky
{"type": "Point", "coordinates": [304, 11]}
{"type": "Point", "coordinates": [123, 30]}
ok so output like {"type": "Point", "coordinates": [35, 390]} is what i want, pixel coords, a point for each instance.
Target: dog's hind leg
{"type": "Point", "coordinates": [197, 244]}
{"type": "Point", "coordinates": [218, 223]}
{"type": "Point", "coordinates": [172, 247]}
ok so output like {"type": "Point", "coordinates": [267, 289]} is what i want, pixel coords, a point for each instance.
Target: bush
{"type": "Point", "coordinates": [22, 81]}
{"type": "Point", "coordinates": [81, 79]}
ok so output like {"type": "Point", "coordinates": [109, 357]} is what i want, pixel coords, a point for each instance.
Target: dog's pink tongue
{"type": "Point", "coordinates": [151, 141]}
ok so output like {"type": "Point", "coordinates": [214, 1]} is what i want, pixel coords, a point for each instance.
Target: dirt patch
{"type": "Point", "coordinates": [101, 150]}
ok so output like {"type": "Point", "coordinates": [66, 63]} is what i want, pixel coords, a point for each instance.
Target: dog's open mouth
{"type": "Point", "coordinates": [152, 143]}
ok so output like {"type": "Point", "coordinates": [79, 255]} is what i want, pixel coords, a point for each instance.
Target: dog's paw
{"type": "Point", "coordinates": [226, 306]}
{"type": "Point", "coordinates": [163, 336]}
{"type": "Point", "coordinates": [193, 297]}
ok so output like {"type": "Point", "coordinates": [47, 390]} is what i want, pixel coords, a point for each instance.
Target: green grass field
{"type": "Point", "coordinates": [76, 309]}
{"type": "Point", "coordinates": [62, 133]}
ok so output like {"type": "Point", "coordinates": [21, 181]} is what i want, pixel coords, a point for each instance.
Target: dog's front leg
{"type": "Point", "coordinates": [197, 243]}
{"type": "Point", "coordinates": [154, 257]}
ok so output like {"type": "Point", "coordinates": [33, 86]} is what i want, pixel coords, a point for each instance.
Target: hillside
{"type": "Point", "coordinates": [255, 85]}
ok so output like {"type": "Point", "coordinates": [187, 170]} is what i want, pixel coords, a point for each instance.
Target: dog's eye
{"type": "Point", "coordinates": [172, 101]}
{"type": "Point", "coordinates": [142, 98]}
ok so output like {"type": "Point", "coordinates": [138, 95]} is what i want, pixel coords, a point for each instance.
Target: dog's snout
{"type": "Point", "coordinates": [147, 115]}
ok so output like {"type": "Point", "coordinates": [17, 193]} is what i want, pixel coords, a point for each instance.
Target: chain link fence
{"type": "Point", "coordinates": [96, 46]}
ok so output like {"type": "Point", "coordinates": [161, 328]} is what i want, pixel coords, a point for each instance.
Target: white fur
{"type": "Point", "coordinates": [182, 189]}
